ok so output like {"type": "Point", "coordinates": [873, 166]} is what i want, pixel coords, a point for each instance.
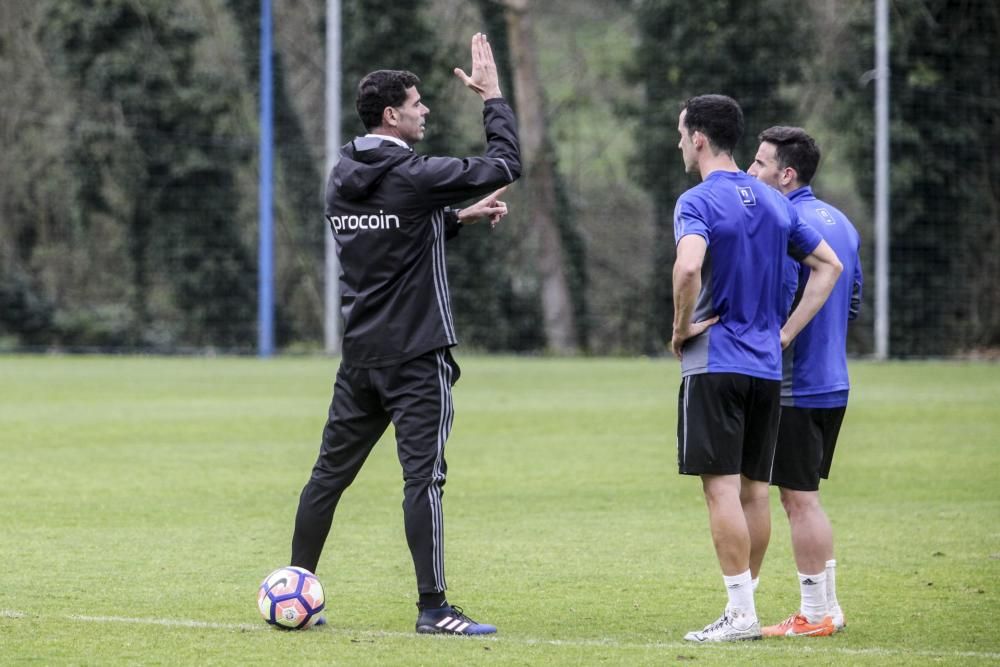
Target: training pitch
{"type": "Point", "coordinates": [144, 499]}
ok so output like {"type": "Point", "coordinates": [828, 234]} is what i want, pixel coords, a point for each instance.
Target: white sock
{"type": "Point", "coordinates": [813, 589]}
{"type": "Point", "coordinates": [831, 583]}
{"type": "Point", "coordinates": [740, 590]}
{"type": "Point", "coordinates": [756, 583]}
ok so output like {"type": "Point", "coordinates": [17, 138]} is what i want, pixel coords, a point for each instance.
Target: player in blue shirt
{"type": "Point", "coordinates": [814, 387]}
{"type": "Point", "coordinates": [732, 234]}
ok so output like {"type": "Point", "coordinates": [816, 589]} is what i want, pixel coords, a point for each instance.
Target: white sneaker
{"type": "Point", "coordinates": [726, 629]}
{"type": "Point", "coordinates": [837, 616]}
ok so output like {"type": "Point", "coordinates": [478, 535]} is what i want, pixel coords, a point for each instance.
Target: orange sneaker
{"type": "Point", "coordinates": [798, 625]}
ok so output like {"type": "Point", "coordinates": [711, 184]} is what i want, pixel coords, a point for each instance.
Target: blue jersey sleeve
{"type": "Point", "coordinates": [802, 239]}
{"type": "Point", "coordinates": [689, 218]}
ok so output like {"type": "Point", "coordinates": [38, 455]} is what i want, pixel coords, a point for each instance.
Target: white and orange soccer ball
{"type": "Point", "coordinates": [291, 598]}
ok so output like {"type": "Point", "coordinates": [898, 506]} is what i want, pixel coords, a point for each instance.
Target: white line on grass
{"type": "Point", "coordinates": [781, 646]}
{"type": "Point", "coordinates": [169, 622]}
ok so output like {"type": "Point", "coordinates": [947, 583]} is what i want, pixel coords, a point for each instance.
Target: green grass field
{"type": "Point", "coordinates": [143, 500]}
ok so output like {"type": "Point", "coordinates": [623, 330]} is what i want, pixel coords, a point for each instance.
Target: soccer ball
{"type": "Point", "coordinates": [291, 598]}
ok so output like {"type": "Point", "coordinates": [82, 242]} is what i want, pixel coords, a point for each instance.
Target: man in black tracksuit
{"type": "Point", "coordinates": [387, 208]}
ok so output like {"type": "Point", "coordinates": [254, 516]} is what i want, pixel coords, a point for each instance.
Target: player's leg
{"type": "Point", "coordinates": [354, 424]}
{"type": "Point", "coordinates": [812, 535]}
{"type": "Point", "coordinates": [833, 419]}
{"type": "Point", "coordinates": [761, 430]}
{"type": "Point", "coordinates": [756, 501]}
{"type": "Point", "coordinates": [709, 444]}
{"type": "Point", "coordinates": [812, 544]}
{"type": "Point", "coordinates": [836, 613]}
{"type": "Point", "coordinates": [731, 537]}
{"type": "Point", "coordinates": [799, 465]}
{"type": "Point", "coordinates": [418, 396]}
{"type": "Point", "coordinates": [730, 534]}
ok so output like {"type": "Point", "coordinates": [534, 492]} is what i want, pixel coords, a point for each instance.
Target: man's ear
{"type": "Point", "coordinates": [390, 117]}
{"type": "Point", "coordinates": [788, 175]}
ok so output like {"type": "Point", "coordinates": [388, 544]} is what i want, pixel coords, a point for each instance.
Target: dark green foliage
{"type": "Point", "coordinates": [384, 34]}
{"type": "Point", "coordinates": [495, 27]}
{"type": "Point", "coordinates": [574, 248]}
{"type": "Point", "coordinates": [129, 194]}
{"type": "Point", "coordinates": [575, 260]}
{"type": "Point", "coordinates": [148, 153]}
{"type": "Point", "coordinates": [24, 311]}
{"type": "Point", "coordinates": [747, 50]}
{"type": "Point", "coordinates": [491, 313]}
{"type": "Point", "coordinates": [944, 206]}
{"type": "Point", "coordinates": [155, 146]}
{"type": "Point", "coordinates": [299, 223]}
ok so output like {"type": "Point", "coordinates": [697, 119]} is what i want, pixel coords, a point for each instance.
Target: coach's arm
{"type": "Point", "coordinates": [490, 207]}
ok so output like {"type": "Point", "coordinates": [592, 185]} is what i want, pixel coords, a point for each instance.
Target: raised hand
{"type": "Point", "coordinates": [484, 79]}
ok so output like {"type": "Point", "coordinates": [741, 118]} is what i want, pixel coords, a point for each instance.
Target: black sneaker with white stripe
{"type": "Point", "coordinates": [450, 620]}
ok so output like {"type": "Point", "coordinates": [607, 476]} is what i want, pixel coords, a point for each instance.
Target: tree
{"type": "Point", "coordinates": [152, 159]}
{"type": "Point", "coordinates": [30, 160]}
{"type": "Point", "coordinates": [542, 180]}
{"type": "Point", "coordinates": [945, 209]}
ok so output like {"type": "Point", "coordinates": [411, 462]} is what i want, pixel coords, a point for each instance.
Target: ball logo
{"type": "Point", "coordinates": [381, 220]}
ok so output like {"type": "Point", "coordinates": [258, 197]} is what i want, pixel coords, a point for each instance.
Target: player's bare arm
{"type": "Point", "coordinates": [825, 268]}
{"type": "Point", "coordinates": [687, 284]}
{"type": "Point", "coordinates": [483, 79]}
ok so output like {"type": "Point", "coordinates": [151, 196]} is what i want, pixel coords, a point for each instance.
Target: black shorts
{"type": "Point", "coordinates": [727, 424]}
{"type": "Point", "coordinates": [806, 440]}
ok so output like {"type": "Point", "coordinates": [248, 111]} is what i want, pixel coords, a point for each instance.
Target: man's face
{"type": "Point", "coordinates": [686, 144]}
{"type": "Point", "coordinates": [765, 166]}
{"type": "Point", "coordinates": [411, 116]}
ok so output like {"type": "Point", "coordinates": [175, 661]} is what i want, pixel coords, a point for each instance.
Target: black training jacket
{"type": "Point", "coordinates": [386, 208]}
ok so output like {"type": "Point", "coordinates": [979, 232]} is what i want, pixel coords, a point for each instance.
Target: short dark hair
{"type": "Point", "coordinates": [380, 89]}
{"type": "Point", "coordinates": [793, 148]}
{"type": "Point", "coordinates": [718, 117]}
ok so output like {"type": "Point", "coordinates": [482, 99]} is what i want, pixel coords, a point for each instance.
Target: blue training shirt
{"type": "Point", "coordinates": [749, 227]}
{"type": "Point", "coordinates": [815, 364]}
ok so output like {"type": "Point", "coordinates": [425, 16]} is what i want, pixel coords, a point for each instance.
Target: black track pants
{"type": "Point", "coordinates": [416, 397]}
